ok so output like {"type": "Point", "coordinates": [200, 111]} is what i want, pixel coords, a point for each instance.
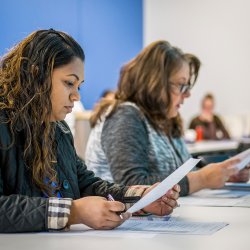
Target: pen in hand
{"type": "Point", "coordinates": [110, 198]}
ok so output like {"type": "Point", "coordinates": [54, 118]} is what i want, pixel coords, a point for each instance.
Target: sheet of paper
{"type": "Point", "coordinates": [192, 200]}
{"type": "Point", "coordinates": [245, 159]}
{"type": "Point", "coordinates": [164, 186]}
{"type": "Point", "coordinates": [237, 186]}
{"type": "Point", "coordinates": [178, 226]}
{"type": "Point", "coordinates": [243, 202]}
{"type": "Point", "coordinates": [220, 193]}
{"type": "Point", "coordinates": [208, 202]}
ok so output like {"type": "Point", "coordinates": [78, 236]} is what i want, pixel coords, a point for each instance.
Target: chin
{"type": "Point", "coordinates": [57, 118]}
{"type": "Point", "coordinates": [61, 118]}
{"type": "Point", "coordinates": [172, 115]}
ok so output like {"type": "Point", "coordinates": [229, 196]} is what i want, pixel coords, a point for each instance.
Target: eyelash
{"type": "Point", "coordinates": [71, 84]}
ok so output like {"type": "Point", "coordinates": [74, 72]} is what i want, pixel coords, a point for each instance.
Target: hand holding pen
{"type": "Point", "coordinates": [96, 212]}
{"type": "Point", "coordinates": [110, 198]}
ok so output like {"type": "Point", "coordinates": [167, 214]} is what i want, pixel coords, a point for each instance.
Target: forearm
{"type": "Point", "coordinates": [82, 209]}
{"type": "Point", "coordinates": [33, 214]}
{"type": "Point", "coordinates": [196, 181]}
{"type": "Point", "coordinates": [22, 214]}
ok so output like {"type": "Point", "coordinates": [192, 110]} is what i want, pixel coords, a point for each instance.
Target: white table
{"type": "Point", "coordinates": [203, 147]}
{"type": "Point", "coordinates": [236, 236]}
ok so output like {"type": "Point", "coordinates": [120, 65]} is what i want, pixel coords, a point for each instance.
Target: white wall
{"type": "Point", "coordinates": [218, 32]}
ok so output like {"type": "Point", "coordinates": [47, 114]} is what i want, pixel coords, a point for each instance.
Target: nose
{"type": "Point", "coordinates": [74, 96]}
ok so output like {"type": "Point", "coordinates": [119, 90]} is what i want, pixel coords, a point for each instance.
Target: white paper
{"type": "Point", "coordinates": [237, 186]}
{"type": "Point", "coordinates": [172, 226]}
{"type": "Point", "coordinates": [164, 186]}
{"type": "Point", "coordinates": [244, 157]}
{"type": "Point", "coordinates": [208, 202]}
{"type": "Point", "coordinates": [220, 193]}
{"type": "Point", "coordinates": [243, 201]}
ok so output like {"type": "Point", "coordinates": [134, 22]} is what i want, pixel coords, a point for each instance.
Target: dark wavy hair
{"type": "Point", "coordinates": [145, 81]}
{"type": "Point", "coordinates": [25, 97]}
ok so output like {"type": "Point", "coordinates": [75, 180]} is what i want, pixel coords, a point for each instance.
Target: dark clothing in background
{"type": "Point", "coordinates": [214, 130]}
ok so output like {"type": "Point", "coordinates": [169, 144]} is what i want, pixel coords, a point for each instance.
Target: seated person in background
{"type": "Point", "coordinates": [211, 125]}
{"type": "Point", "coordinates": [43, 183]}
{"type": "Point", "coordinates": [137, 137]}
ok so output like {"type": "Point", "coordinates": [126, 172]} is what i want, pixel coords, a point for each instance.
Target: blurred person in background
{"type": "Point", "coordinates": [207, 123]}
{"type": "Point", "coordinates": [137, 137]}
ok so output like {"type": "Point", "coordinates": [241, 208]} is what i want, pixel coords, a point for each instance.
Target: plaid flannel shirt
{"type": "Point", "coordinates": [59, 208]}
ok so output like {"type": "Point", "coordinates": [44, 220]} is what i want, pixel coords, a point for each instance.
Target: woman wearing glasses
{"type": "Point", "coordinates": [136, 138]}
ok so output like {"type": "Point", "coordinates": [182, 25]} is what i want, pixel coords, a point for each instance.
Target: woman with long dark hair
{"type": "Point", "coordinates": [44, 185]}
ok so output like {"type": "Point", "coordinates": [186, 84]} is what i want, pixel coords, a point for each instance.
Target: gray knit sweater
{"type": "Point", "coordinates": [125, 148]}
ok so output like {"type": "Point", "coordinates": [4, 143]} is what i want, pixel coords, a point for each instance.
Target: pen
{"type": "Point", "coordinates": [110, 198]}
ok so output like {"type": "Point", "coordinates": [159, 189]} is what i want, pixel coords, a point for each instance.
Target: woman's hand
{"type": "Point", "coordinates": [165, 204]}
{"type": "Point", "coordinates": [216, 174]}
{"type": "Point", "coordinates": [242, 176]}
{"type": "Point", "coordinates": [96, 212]}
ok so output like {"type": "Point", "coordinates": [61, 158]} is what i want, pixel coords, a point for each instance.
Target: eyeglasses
{"type": "Point", "coordinates": [182, 88]}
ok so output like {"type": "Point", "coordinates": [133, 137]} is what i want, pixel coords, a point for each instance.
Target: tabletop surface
{"type": "Point", "coordinates": [234, 236]}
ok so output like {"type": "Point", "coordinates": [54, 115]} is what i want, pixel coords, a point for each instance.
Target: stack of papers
{"type": "Point", "coordinates": [237, 186]}
{"type": "Point", "coordinates": [217, 198]}
{"type": "Point", "coordinates": [176, 226]}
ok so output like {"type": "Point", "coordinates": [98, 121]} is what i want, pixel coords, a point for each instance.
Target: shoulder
{"type": "Point", "coordinates": [129, 111]}
{"type": "Point", "coordinates": [195, 120]}
{"type": "Point", "coordinates": [217, 118]}
{"type": "Point", "coordinates": [127, 118]}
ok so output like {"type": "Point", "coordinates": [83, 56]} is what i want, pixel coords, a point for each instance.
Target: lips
{"type": "Point", "coordinates": [69, 109]}
{"type": "Point", "coordinates": [179, 105]}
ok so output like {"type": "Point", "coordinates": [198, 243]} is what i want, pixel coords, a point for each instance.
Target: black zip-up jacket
{"type": "Point", "coordinates": [22, 205]}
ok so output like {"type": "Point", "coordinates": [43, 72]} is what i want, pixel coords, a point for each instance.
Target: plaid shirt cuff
{"type": "Point", "coordinates": [132, 191]}
{"type": "Point", "coordinates": [58, 213]}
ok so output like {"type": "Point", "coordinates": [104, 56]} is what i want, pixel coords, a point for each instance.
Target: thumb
{"type": "Point", "coordinates": [126, 215]}
{"type": "Point", "coordinates": [232, 161]}
{"type": "Point", "coordinates": [116, 206]}
{"type": "Point", "coordinates": [232, 170]}
{"type": "Point", "coordinates": [150, 188]}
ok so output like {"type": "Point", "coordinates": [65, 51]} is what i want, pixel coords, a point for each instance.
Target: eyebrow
{"type": "Point", "coordinates": [76, 76]}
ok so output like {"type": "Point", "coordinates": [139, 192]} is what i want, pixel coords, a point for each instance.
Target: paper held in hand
{"type": "Point", "coordinates": [164, 186]}
{"type": "Point", "coordinates": [244, 157]}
